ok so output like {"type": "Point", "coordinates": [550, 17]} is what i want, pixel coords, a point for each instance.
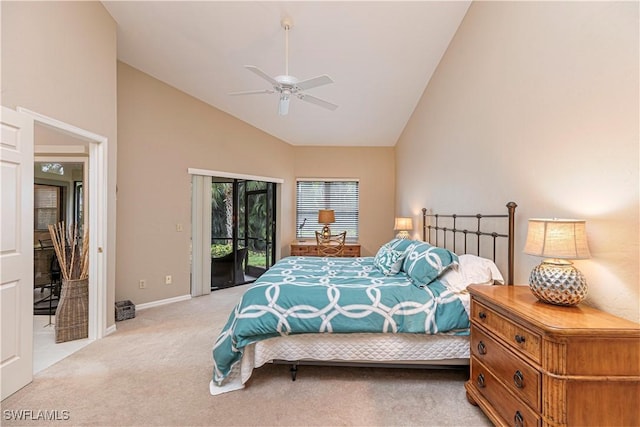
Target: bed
{"type": "Point", "coordinates": [406, 306]}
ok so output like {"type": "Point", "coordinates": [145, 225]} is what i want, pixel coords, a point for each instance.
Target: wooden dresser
{"type": "Point", "coordinates": [536, 364]}
{"type": "Point", "coordinates": [309, 248]}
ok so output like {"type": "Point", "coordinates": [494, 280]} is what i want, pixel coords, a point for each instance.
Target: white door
{"type": "Point", "coordinates": [16, 251]}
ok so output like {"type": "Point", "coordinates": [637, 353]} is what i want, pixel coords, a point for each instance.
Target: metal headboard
{"type": "Point", "coordinates": [478, 232]}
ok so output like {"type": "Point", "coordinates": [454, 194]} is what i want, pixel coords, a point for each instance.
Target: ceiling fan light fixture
{"type": "Point", "coordinates": [283, 105]}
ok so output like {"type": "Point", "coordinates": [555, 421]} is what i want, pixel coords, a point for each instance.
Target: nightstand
{"type": "Point", "coordinates": [536, 364]}
{"type": "Point", "coordinates": [309, 248]}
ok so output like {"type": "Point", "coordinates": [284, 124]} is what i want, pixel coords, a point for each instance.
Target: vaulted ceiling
{"type": "Point", "coordinates": [380, 56]}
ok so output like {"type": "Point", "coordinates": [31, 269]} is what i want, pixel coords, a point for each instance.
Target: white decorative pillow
{"type": "Point", "coordinates": [472, 270]}
{"type": "Point", "coordinates": [388, 261]}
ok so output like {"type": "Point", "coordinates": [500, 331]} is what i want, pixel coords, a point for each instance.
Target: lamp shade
{"type": "Point", "coordinates": [403, 224]}
{"type": "Point", "coordinates": [557, 238]}
{"type": "Point", "coordinates": [326, 216]}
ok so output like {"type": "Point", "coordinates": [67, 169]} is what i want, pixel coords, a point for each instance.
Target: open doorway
{"type": "Point", "coordinates": [58, 196]}
{"type": "Point", "coordinates": [242, 230]}
{"type": "Point", "coordinates": [68, 168]}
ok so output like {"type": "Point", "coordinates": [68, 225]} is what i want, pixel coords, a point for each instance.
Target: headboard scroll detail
{"type": "Point", "coordinates": [479, 232]}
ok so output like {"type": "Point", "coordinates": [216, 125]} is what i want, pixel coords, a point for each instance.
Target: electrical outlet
{"type": "Point", "coordinates": [142, 284]}
{"type": "Point", "coordinates": [168, 280]}
{"type": "Point", "coordinates": [179, 227]}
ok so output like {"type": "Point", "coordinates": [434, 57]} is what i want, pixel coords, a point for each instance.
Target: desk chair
{"type": "Point", "coordinates": [332, 246]}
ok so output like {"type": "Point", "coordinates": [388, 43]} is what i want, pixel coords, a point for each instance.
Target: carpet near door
{"type": "Point", "coordinates": [156, 368]}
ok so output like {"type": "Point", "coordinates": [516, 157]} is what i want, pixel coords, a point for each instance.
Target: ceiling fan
{"type": "Point", "coordinates": [286, 85]}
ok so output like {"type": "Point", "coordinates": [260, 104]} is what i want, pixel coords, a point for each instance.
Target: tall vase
{"type": "Point", "coordinates": [72, 314]}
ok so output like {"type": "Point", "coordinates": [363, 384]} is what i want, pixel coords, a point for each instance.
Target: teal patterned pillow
{"type": "Point", "coordinates": [400, 244]}
{"type": "Point", "coordinates": [388, 261]}
{"type": "Point", "coordinates": [423, 263]}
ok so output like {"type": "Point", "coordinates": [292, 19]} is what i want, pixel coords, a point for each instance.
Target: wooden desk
{"type": "Point", "coordinates": [309, 248]}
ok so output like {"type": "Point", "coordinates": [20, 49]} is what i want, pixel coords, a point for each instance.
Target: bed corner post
{"type": "Point", "coordinates": [511, 206]}
{"type": "Point", "coordinates": [424, 224]}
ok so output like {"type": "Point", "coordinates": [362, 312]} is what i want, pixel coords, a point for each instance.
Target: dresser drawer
{"type": "Point", "coordinates": [520, 377]}
{"type": "Point", "coordinates": [303, 250]}
{"type": "Point", "coordinates": [512, 410]}
{"type": "Point", "coordinates": [351, 251]}
{"type": "Point", "coordinates": [518, 338]}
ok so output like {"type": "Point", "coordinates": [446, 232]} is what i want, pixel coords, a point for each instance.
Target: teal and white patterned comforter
{"type": "Point", "coordinates": [334, 295]}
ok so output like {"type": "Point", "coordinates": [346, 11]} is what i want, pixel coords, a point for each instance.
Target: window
{"type": "Point", "coordinates": [340, 195]}
{"type": "Point", "coordinates": [46, 204]}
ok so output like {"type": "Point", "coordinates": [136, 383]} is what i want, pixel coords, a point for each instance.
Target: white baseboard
{"type": "Point", "coordinates": [111, 329]}
{"type": "Point", "coordinates": [162, 302]}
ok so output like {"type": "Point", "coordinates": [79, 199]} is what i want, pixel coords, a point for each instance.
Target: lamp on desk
{"type": "Point", "coordinates": [403, 225]}
{"type": "Point", "coordinates": [326, 217]}
{"type": "Point", "coordinates": [556, 280]}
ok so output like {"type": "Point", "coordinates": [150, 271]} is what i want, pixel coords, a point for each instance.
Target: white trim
{"type": "Point", "coordinates": [158, 303]}
{"type": "Point", "coordinates": [111, 329]}
{"type": "Point", "coordinates": [205, 172]}
{"type": "Point", "coordinates": [97, 201]}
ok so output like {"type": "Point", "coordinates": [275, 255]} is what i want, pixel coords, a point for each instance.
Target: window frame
{"type": "Point", "coordinates": [347, 218]}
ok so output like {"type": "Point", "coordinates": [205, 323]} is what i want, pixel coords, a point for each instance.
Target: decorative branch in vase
{"type": "Point", "coordinates": [73, 255]}
{"type": "Point", "coordinates": [72, 314]}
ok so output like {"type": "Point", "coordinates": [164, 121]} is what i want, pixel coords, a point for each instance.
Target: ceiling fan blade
{"type": "Point", "coordinates": [314, 82]}
{"type": "Point", "coordinates": [252, 92]}
{"type": "Point", "coordinates": [317, 101]}
{"type": "Point", "coordinates": [283, 106]}
{"type": "Point", "coordinates": [262, 74]}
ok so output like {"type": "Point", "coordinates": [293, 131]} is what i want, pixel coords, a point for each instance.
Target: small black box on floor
{"type": "Point", "coordinates": [125, 310]}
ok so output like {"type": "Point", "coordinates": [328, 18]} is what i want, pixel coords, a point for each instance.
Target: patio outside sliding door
{"type": "Point", "coordinates": [257, 225]}
{"type": "Point", "coordinates": [242, 231]}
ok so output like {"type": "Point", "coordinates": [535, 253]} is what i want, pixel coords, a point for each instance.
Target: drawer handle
{"type": "Point", "coordinates": [518, 379]}
{"type": "Point", "coordinates": [518, 419]}
{"type": "Point", "coordinates": [480, 381]}
{"type": "Point", "coordinates": [482, 349]}
{"type": "Point", "coordinates": [482, 315]}
{"type": "Point", "coordinates": [519, 339]}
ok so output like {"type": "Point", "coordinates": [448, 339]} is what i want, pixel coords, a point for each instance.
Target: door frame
{"type": "Point", "coordinates": [97, 216]}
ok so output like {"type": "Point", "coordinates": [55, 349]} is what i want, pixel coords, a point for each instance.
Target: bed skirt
{"type": "Point", "coordinates": [360, 349]}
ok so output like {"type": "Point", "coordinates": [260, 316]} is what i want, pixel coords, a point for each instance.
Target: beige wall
{"type": "Point", "coordinates": [537, 102]}
{"type": "Point", "coordinates": [163, 132]}
{"type": "Point", "coordinates": [374, 167]}
{"type": "Point", "coordinates": [59, 59]}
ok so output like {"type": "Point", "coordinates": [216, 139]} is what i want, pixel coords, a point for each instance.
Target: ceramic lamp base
{"type": "Point", "coordinates": [557, 282]}
{"type": "Point", "coordinates": [326, 232]}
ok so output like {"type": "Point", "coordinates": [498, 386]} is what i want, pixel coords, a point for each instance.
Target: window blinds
{"type": "Point", "coordinates": [341, 196]}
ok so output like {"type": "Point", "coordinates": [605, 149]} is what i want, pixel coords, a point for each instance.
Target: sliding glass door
{"type": "Point", "coordinates": [257, 224]}
{"type": "Point", "coordinates": [242, 231]}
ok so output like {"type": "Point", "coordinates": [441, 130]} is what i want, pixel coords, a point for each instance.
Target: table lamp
{"type": "Point", "coordinates": [556, 280]}
{"type": "Point", "coordinates": [403, 226]}
{"type": "Point", "coordinates": [326, 217]}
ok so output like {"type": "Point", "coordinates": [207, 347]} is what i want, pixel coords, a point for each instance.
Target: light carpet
{"type": "Point", "coordinates": [156, 368]}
